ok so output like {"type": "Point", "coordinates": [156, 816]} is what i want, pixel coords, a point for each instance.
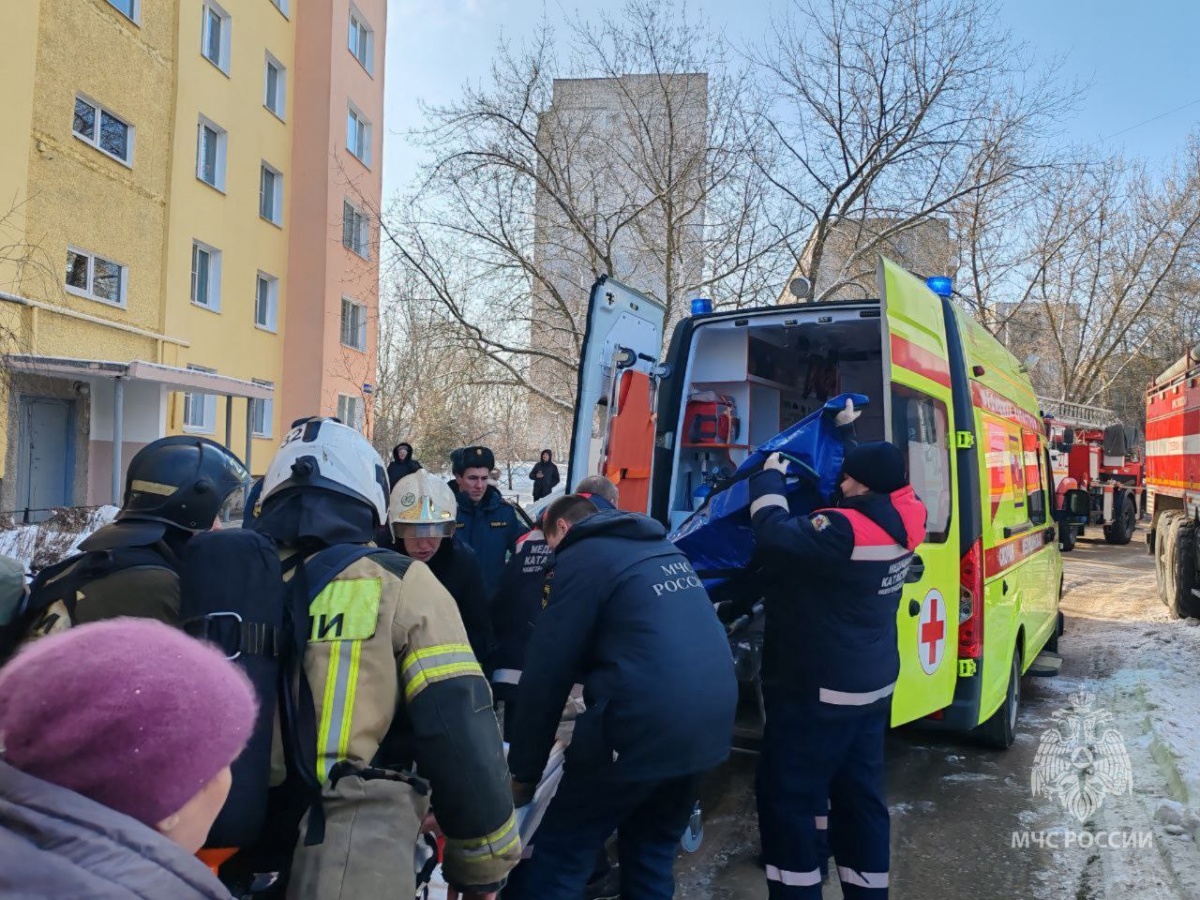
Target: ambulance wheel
{"type": "Point", "coordinates": [1001, 729]}
{"type": "Point", "coordinates": [1121, 530]}
{"type": "Point", "coordinates": [1181, 562]}
{"type": "Point", "coordinates": [1066, 537]}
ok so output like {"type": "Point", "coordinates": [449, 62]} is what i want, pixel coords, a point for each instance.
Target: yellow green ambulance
{"type": "Point", "coordinates": [981, 603]}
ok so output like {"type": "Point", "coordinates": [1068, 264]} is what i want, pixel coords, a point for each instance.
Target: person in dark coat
{"type": "Point", "coordinates": [544, 476]}
{"type": "Point", "coordinates": [402, 463]}
{"type": "Point", "coordinates": [626, 615]}
{"type": "Point", "coordinates": [116, 763]}
{"type": "Point", "coordinates": [422, 513]}
{"type": "Point", "coordinates": [485, 521]}
{"type": "Point", "coordinates": [518, 600]}
{"type": "Point", "coordinates": [832, 583]}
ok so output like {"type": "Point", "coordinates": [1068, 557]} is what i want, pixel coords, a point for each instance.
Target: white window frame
{"type": "Point", "coordinates": [279, 111]}
{"type": "Point", "coordinates": [361, 124]}
{"type": "Point", "coordinates": [222, 153]}
{"type": "Point", "coordinates": [356, 327]}
{"type": "Point", "coordinates": [347, 404]}
{"type": "Point", "coordinates": [267, 408]}
{"type": "Point", "coordinates": [135, 10]}
{"type": "Point", "coordinates": [94, 139]}
{"type": "Point", "coordinates": [276, 216]}
{"type": "Point", "coordinates": [87, 292]}
{"type": "Point", "coordinates": [272, 322]}
{"type": "Point", "coordinates": [210, 6]}
{"type": "Point", "coordinates": [214, 277]}
{"type": "Point", "coordinates": [208, 407]}
{"type": "Point", "coordinates": [359, 20]}
{"type": "Point", "coordinates": [363, 233]}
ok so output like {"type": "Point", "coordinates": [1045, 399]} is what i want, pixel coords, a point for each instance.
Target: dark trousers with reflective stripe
{"type": "Point", "coordinates": [816, 757]}
{"type": "Point", "coordinates": [648, 816]}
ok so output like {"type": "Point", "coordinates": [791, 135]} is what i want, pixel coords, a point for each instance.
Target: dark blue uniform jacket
{"type": "Point", "coordinates": [832, 583]}
{"type": "Point", "coordinates": [515, 610]}
{"type": "Point", "coordinates": [491, 528]}
{"type": "Point", "coordinates": [628, 619]}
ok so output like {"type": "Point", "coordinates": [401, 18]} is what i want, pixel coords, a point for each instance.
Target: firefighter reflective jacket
{"type": "Point", "coordinates": [388, 657]}
{"type": "Point", "coordinates": [832, 583]}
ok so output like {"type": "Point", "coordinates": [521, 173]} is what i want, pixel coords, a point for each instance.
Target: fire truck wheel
{"type": "Point", "coordinates": [1124, 523]}
{"type": "Point", "coordinates": [1001, 729]}
{"type": "Point", "coordinates": [1181, 601]}
{"type": "Point", "coordinates": [1164, 540]}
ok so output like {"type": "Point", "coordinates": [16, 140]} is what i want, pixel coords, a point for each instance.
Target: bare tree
{"type": "Point", "coordinates": [537, 184]}
{"type": "Point", "coordinates": [1100, 291]}
{"type": "Point", "coordinates": [888, 113]}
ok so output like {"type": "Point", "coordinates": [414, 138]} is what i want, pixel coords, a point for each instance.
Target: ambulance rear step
{"type": "Point", "coordinates": [1046, 665]}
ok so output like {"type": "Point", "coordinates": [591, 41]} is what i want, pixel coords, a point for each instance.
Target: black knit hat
{"type": "Point", "coordinates": [877, 465]}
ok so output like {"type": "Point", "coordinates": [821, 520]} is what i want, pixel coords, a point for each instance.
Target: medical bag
{"type": "Point", "coordinates": [710, 418]}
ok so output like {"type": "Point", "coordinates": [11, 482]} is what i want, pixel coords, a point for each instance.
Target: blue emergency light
{"type": "Point", "coordinates": [942, 285]}
{"type": "Point", "coordinates": [701, 306]}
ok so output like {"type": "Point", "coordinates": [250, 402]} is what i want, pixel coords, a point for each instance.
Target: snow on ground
{"type": "Point", "coordinates": [59, 536]}
{"type": "Point", "coordinates": [1122, 646]}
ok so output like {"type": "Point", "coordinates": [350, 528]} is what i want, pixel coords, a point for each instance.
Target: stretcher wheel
{"type": "Point", "coordinates": [693, 835]}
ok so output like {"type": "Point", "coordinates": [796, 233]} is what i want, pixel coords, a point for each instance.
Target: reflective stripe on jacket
{"type": "Point", "coordinates": [384, 645]}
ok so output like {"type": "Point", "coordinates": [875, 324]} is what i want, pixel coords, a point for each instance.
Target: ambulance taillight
{"type": "Point", "coordinates": [970, 603]}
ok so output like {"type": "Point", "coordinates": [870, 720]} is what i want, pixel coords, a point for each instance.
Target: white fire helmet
{"type": "Point", "coordinates": [423, 506]}
{"type": "Point", "coordinates": [326, 455]}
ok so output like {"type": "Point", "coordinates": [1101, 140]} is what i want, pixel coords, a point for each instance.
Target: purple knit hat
{"type": "Point", "coordinates": [130, 712]}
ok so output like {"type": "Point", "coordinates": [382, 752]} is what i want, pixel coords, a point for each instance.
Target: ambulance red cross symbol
{"type": "Point", "coordinates": [931, 631]}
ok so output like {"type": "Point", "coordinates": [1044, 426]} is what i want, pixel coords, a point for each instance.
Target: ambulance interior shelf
{"type": "Point", "coordinates": [768, 374]}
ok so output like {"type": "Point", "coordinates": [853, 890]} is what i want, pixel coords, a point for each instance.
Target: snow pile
{"type": "Point", "coordinates": [58, 537]}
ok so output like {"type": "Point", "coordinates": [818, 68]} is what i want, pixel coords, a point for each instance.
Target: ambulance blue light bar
{"type": "Point", "coordinates": [701, 306]}
{"type": "Point", "coordinates": [942, 285]}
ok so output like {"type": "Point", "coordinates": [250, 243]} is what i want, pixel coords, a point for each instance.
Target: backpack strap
{"type": "Point", "coordinates": [62, 581]}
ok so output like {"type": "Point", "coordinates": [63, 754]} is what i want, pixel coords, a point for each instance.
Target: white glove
{"type": "Point", "coordinates": [777, 463]}
{"type": "Point", "coordinates": [847, 415]}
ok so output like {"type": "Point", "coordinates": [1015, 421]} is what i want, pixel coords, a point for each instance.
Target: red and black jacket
{"type": "Point", "coordinates": [832, 581]}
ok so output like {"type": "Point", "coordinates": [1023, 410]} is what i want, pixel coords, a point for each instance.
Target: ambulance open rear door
{"type": "Point", "coordinates": [613, 432]}
{"type": "Point", "coordinates": [920, 420]}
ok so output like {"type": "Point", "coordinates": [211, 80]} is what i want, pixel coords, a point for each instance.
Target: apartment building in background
{"type": "Point", "coordinates": [153, 195]}
{"type": "Point", "coordinates": [606, 138]}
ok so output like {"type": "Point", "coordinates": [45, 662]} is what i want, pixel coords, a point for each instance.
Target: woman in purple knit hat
{"type": "Point", "coordinates": [115, 745]}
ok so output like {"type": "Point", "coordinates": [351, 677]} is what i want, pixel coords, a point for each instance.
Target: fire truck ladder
{"type": "Point", "coordinates": [1077, 415]}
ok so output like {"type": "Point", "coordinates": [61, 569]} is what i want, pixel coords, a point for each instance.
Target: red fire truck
{"type": "Point", "coordinates": [1090, 449]}
{"type": "Point", "coordinates": [1173, 483]}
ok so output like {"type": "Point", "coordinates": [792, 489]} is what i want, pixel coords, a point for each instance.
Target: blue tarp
{"type": "Point", "coordinates": [718, 539]}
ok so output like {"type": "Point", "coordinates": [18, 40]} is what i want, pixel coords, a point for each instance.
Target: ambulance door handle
{"type": "Point", "coordinates": [1050, 534]}
{"type": "Point", "coordinates": [914, 608]}
{"type": "Point", "coordinates": [1003, 587]}
{"type": "Point", "coordinates": [916, 570]}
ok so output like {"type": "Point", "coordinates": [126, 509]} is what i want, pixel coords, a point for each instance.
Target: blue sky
{"type": "Point", "coordinates": [1141, 59]}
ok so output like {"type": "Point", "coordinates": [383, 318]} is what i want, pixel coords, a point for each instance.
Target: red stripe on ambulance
{"type": "Point", "coordinates": [1008, 554]}
{"type": "Point", "coordinates": [916, 358]}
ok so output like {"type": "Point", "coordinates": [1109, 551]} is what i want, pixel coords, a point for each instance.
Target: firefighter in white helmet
{"type": "Point", "coordinates": [423, 514]}
{"type": "Point", "coordinates": [395, 684]}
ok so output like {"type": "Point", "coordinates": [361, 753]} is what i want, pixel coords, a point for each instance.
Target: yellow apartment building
{"type": "Point", "coordinates": [146, 233]}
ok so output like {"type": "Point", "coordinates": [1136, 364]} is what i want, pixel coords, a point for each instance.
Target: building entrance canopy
{"type": "Point", "coordinates": [171, 377]}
